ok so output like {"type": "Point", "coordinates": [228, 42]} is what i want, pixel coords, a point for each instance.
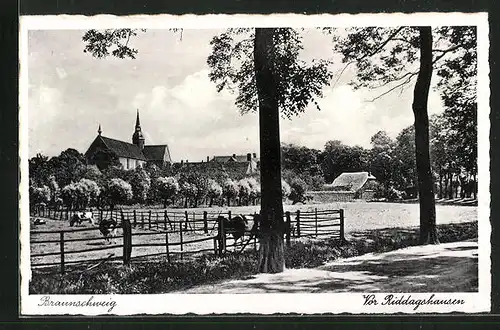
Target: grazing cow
{"type": "Point", "coordinates": [108, 228]}
{"type": "Point", "coordinates": [237, 226]}
{"type": "Point", "coordinates": [80, 217]}
{"type": "Point", "coordinates": [39, 221]}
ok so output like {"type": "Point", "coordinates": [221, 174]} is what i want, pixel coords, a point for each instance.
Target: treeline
{"type": "Point", "coordinates": [453, 151]}
{"type": "Point", "coordinates": [68, 181]}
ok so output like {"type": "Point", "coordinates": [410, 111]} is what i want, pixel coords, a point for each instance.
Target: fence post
{"type": "Point", "coordinates": [215, 246]}
{"type": "Point", "coordinates": [316, 221]}
{"type": "Point", "coordinates": [256, 230]}
{"type": "Point", "coordinates": [288, 228]}
{"type": "Point", "coordinates": [298, 223]}
{"type": "Point", "coordinates": [222, 237]}
{"type": "Point", "coordinates": [101, 215]}
{"type": "Point", "coordinates": [135, 219]}
{"type": "Point", "coordinates": [229, 215]}
{"type": "Point", "coordinates": [187, 220]}
{"type": "Point", "coordinates": [149, 219]}
{"type": "Point", "coordinates": [157, 220]}
{"type": "Point", "coordinates": [127, 239]}
{"type": "Point", "coordinates": [165, 219]}
{"type": "Point", "coordinates": [205, 222]}
{"type": "Point", "coordinates": [180, 238]}
{"type": "Point", "coordinates": [142, 219]}
{"type": "Point", "coordinates": [166, 245]}
{"type": "Point", "coordinates": [342, 235]}
{"type": "Point", "coordinates": [61, 246]}
{"type": "Point", "coordinates": [67, 214]}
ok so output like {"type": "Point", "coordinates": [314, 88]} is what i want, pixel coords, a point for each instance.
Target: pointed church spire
{"type": "Point", "coordinates": [137, 122]}
{"type": "Point", "coordinates": [137, 137]}
{"type": "Point", "coordinates": [99, 130]}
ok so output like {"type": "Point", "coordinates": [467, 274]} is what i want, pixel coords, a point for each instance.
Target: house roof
{"type": "Point", "coordinates": [123, 149]}
{"type": "Point", "coordinates": [221, 159]}
{"type": "Point", "coordinates": [352, 181]}
{"type": "Point", "coordinates": [235, 158]}
{"type": "Point", "coordinates": [157, 152]}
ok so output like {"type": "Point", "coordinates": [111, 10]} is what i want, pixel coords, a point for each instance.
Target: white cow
{"type": "Point", "coordinates": [80, 217]}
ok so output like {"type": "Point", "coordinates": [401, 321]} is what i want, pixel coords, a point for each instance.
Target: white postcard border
{"type": "Point", "coordinates": [258, 303]}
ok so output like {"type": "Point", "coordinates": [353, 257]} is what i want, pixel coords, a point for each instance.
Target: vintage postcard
{"type": "Point", "coordinates": [227, 164]}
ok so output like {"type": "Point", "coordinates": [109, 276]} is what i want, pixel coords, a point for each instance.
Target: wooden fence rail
{"type": "Point", "coordinates": [167, 223]}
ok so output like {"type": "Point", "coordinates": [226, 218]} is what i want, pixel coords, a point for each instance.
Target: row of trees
{"type": "Point", "coordinates": [392, 161]}
{"type": "Point", "coordinates": [187, 186]}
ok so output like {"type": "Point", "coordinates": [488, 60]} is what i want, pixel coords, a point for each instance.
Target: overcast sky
{"type": "Point", "coordinates": [71, 92]}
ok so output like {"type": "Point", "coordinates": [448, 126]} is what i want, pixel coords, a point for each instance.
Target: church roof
{"type": "Point", "coordinates": [123, 149]}
{"type": "Point", "coordinates": [157, 152]}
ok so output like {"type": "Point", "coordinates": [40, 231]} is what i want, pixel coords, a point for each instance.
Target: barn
{"type": "Point", "coordinates": [347, 187]}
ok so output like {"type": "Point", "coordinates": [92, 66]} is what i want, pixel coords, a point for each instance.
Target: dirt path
{"type": "Point", "coordinates": [433, 268]}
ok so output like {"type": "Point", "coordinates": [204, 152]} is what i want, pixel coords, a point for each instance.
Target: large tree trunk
{"type": "Point", "coordinates": [271, 251]}
{"type": "Point", "coordinates": [428, 231]}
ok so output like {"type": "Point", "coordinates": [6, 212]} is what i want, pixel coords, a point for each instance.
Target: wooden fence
{"type": "Point", "coordinates": [174, 235]}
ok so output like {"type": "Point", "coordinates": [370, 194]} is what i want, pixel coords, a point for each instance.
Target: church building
{"type": "Point", "coordinates": [130, 155]}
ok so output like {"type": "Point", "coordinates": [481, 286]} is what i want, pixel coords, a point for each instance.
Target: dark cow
{"type": "Point", "coordinates": [108, 228]}
{"type": "Point", "coordinates": [237, 226]}
{"type": "Point", "coordinates": [80, 217]}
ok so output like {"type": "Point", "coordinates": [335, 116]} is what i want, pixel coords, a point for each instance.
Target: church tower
{"type": "Point", "coordinates": [138, 138]}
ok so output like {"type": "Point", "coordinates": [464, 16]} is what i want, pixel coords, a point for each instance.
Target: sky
{"type": "Point", "coordinates": [70, 93]}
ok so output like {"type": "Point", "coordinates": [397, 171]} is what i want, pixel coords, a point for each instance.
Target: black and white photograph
{"type": "Point", "coordinates": [254, 164]}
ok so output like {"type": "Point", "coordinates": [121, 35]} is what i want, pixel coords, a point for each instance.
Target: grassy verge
{"type": "Point", "coordinates": [160, 276]}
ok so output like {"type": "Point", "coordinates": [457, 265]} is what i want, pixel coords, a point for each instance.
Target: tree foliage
{"type": "Point", "coordinates": [167, 188]}
{"type": "Point", "coordinates": [39, 194]}
{"type": "Point", "coordinates": [117, 191]}
{"type": "Point", "coordinates": [104, 159]}
{"type": "Point", "coordinates": [229, 190]}
{"type": "Point", "coordinates": [232, 68]}
{"type": "Point", "coordinates": [140, 183]}
{"type": "Point", "coordinates": [113, 42]}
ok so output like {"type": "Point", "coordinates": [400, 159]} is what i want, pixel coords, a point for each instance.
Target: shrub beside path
{"type": "Point", "coordinates": [449, 267]}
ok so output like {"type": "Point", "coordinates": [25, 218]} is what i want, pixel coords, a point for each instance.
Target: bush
{"type": "Point", "coordinates": [40, 194]}
{"type": "Point", "coordinates": [244, 190]}
{"type": "Point", "coordinates": [117, 191]}
{"type": "Point", "coordinates": [141, 184]}
{"type": "Point", "coordinates": [167, 188]}
{"type": "Point", "coordinates": [393, 194]}
{"type": "Point", "coordinates": [285, 189]}
{"type": "Point", "coordinates": [229, 190]}
{"type": "Point", "coordinates": [214, 191]}
{"type": "Point", "coordinates": [298, 189]}
{"type": "Point", "coordinates": [148, 277]}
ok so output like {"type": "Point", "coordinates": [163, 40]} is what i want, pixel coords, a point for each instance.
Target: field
{"type": "Point", "coordinates": [359, 216]}
{"type": "Point", "coordinates": [365, 216]}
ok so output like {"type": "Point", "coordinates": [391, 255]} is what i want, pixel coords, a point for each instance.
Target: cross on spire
{"type": "Point", "coordinates": [99, 130]}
